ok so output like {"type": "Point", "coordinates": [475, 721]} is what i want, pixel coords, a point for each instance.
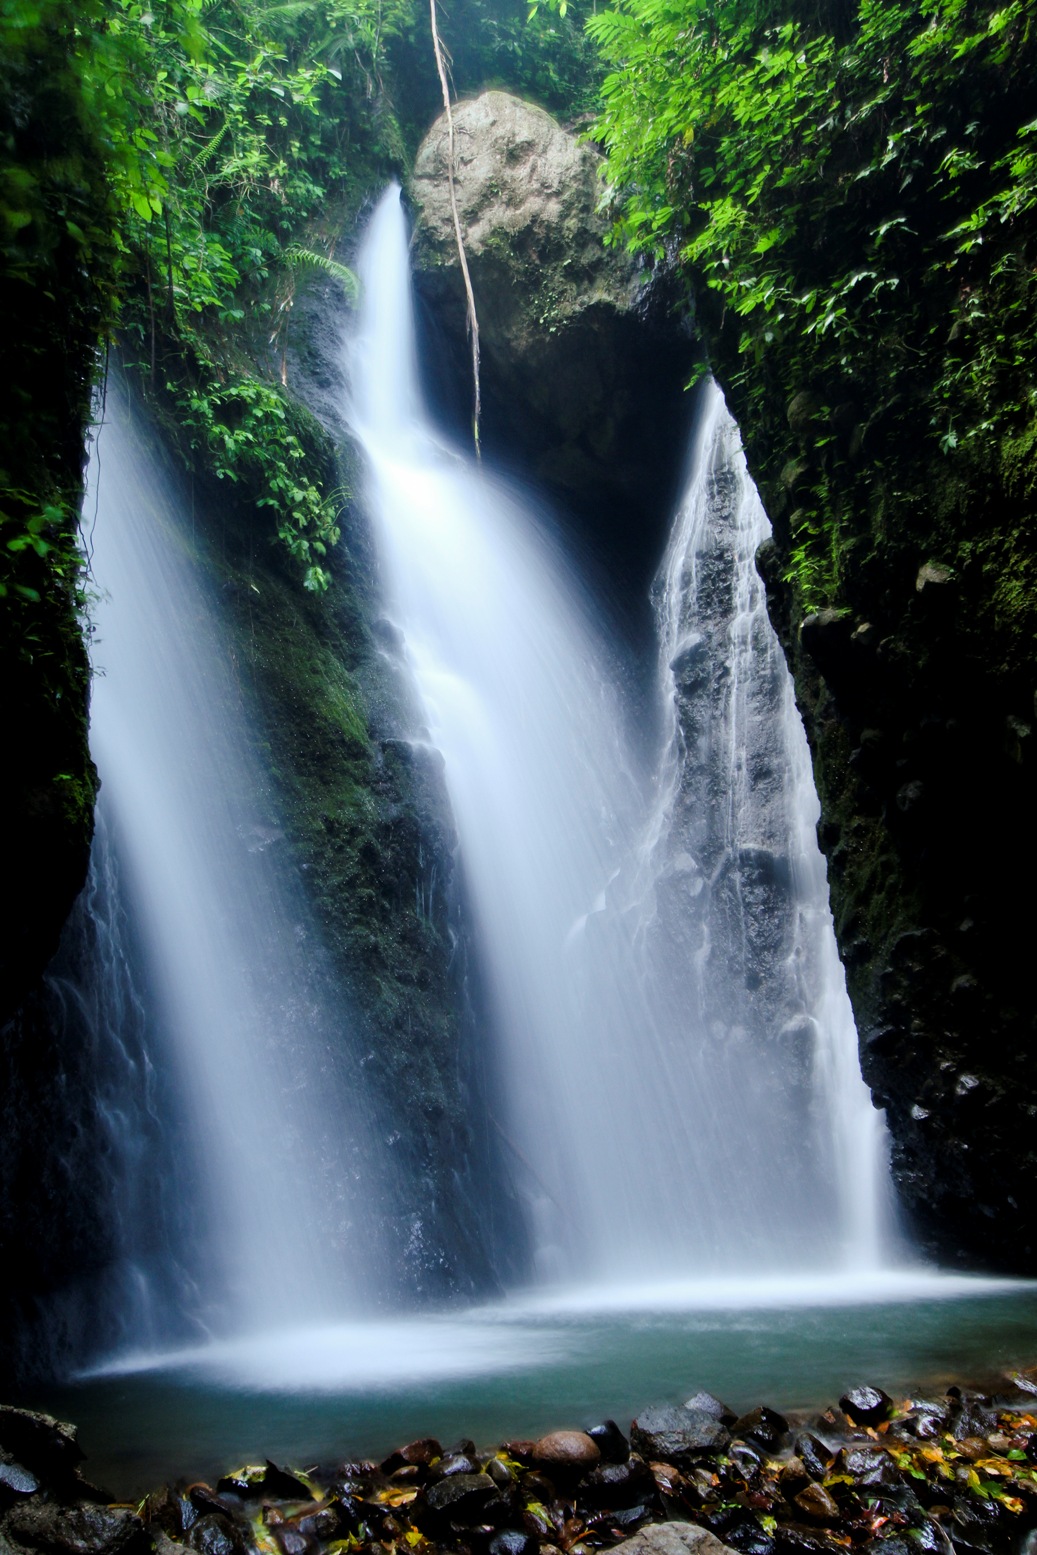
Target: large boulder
{"type": "Point", "coordinates": [582, 364]}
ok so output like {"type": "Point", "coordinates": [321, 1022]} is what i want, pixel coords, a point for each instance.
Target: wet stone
{"type": "Point", "coordinates": [75, 1530]}
{"type": "Point", "coordinates": [815, 1502]}
{"type": "Point", "coordinates": [456, 1463]}
{"type": "Point", "coordinates": [867, 1465]}
{"type": "Point", "coordinates": [764, 1427]}
{"type": "Point", "coordinates": [16, 1479]}
{"type": "Point", "coordinates": [793, 1475]}
{"type": "Point", "coordinates": [866, 1405]}
{"type": "Point", "coordinates": [216, 1534]}
{"type": "Point", "coordinates": [566, 1449]}
{"type": "Point", "coordinates": [610, 1442]}
{"type": "Point", "coordinates": [460, 1494]}
{"type": "Point", "coordinates": [512, 1541]}
{"type": "Point", "coordinates": [668, 1478]}
{"type": "Point", "coordinates": [284, 1484]}
{"type": "Point", "coordinates": [46, 1446]}
{"type": "Point", "coordinates": [673, 1433]}
{"type": "Point", "coordinates": [617, 1484]}
{"type": "Point", "coordinates": [708, 1404]}
{"type": "Point", "coordinates": [815, 1455]}
{"type": "Point", "coordinates": [672, 1539]}
{"type": "Point", "coordinates": [292, 1541]}
{"type": "Point", "coordinates": [417, 1454]}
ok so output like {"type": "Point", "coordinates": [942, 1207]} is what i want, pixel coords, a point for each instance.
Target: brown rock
{"type": "Point", "coordinates": [566, 1448]}
{"type": "Point", "coordinates": [815, 1502]}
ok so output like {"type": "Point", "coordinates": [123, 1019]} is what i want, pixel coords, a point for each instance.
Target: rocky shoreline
{"type": "Point", "coordinates": [954, 1474]}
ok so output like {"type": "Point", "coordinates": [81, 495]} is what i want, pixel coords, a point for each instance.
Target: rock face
{"type": "Point", "coordinates": [916, 686]}
{"type": "Point", "coordinates": [581, 372]}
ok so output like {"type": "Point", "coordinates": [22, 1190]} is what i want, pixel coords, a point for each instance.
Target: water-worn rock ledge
{"type": "Point", "coordinates": [953, 1474]}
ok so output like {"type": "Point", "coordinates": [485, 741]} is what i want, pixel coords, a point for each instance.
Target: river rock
{"type": "Point", "coordinates": [866, 1406]}
{"type": "Point", "coordinates": [618, 1484]}
{"type": "Point", "coordinates": [673, 1432]}
{"type": "Point", "coordinates": [708, 1404]}
{"type": "Point", "coordinates": [82, 1529]}
{"type": "Point", "coordinates": [455, 1463]}
{"type": "Point", "coordinates": [16, 1479]}
{"type": "Point", "coordinates": [460, 1495]}
{"type": "Point", "coordinates": [611, 1442]}
{"type": "Point", "coordinates": [581, 375]}
{"type": "Point", "coordinates": [414, 1455]}
{"type": "Point", "coordinates": [815, 1501]}
{"type": "Point", "coordinates": [673, 1539]}
{"type": "Point", "coordinates": [512, 1541]}
{"type": "Point", "coordinates": [47, 1446]}
{"type": "Point", "coordinates": [566, 1449]}
{"type": "Point", "coordinates": [763, 1426]}
{"type": "Point", "coordinates": [218, 1534]}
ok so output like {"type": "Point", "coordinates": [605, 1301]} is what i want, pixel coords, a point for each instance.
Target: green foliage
{"type": "Point", "coordinates": [243, 430]}
{"type": "Point", "coordinates": [855, 186]}
{"type": "Point", "coordinates": [544, 56]}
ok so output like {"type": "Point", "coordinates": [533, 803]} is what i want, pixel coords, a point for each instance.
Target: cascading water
{"type": "Point", "coordinates": [735, 882]}
{"type": "Point", "coordinates": [672, 1095]}
{"type": "Point", "coordinates": [229, 952]}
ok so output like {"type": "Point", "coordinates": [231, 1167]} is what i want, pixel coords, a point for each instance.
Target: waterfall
{"type": "Point", "coordinates": [252, 1050]}
{"type": "Point", "coordinates": [676, 1058]}
{"type": "Point", "coordinates": [733, 876]}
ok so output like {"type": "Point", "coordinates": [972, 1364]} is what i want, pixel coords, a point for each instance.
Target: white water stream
{"type": "Point", "coordinates": [677, 1056]}
{"type": "Point", "coordinates": [227, 943]}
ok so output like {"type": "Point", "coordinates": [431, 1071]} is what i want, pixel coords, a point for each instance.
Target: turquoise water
{"type": "Point", "coordinates": [320, 1395]}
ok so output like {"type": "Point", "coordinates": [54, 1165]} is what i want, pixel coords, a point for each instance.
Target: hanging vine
{"type": "Point", "coordinates": [473, 322]}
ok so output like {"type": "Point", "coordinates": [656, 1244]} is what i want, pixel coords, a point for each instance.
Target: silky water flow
{"type": "Point", "coordinates": [253, 1050]}
{"type": "Point", "coordinates": [676, 1052]}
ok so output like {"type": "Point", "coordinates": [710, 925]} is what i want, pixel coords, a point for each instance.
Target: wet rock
{"type": "Point", "coordinates": [460, 1495]}
{"type": "Point", "coordinates": [618, 1484]}
{"type": "Point", "coordinates": [932, 575]}
{"type": "Point", "coordinates": [866, 1406]}
{"type": "Point", "coordinates": [284, 1484]}
{"type": "Point", "coordinates": [566, 1450]}
{"type": "Point", "coordinates": [672, 1539]}
{"type": "Point", "coordinates": [817, 1458]}
{"type": "Point", "coordinates": [667, 1478]}
{"type": "Point", "coordinates": [44, 1445]}
{"type": "Point", "coordinates": [204, 1499]}
{"type": "Point", "coordinates": [417, 1454]}
{"type": "Point", "coordinates": [673, 1432]}
{"type": "Point", "coordinates": [708, 1404]}
{"type": "Point", "coordinates": [802, 412]}
{"type": "Point", "coordinates": [867, 1466]}
{"type": "Point", "coordinates": [741, 1529]}
{"type": "Point", "coordinates": [793, 1475]}
{"type": "Point", "coordinates": [763, 1426]}
{"type": "Point", "coordinates": [15, 1478]}
{"type": "Point", "coordinates": [610, 1441]}
{"type": "Point", "coordinates": [815, 1502]}
{"type": "Point", "coordinates": [455, 1463]}
{"type": "Point", "coordinates": [82, 1529]}
{"type": "Point", "coordinates": [216, 1534]}
{"type": "Point", "coordinates": [499, 1472]}
{"type": "Point", "coordinates": [292, 1541]}
{"type": "Point", "coordinates": [512, 1541]}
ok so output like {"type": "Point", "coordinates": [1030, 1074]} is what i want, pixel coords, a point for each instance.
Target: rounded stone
{"type": "Point", "coordinates": [567, 1448]}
